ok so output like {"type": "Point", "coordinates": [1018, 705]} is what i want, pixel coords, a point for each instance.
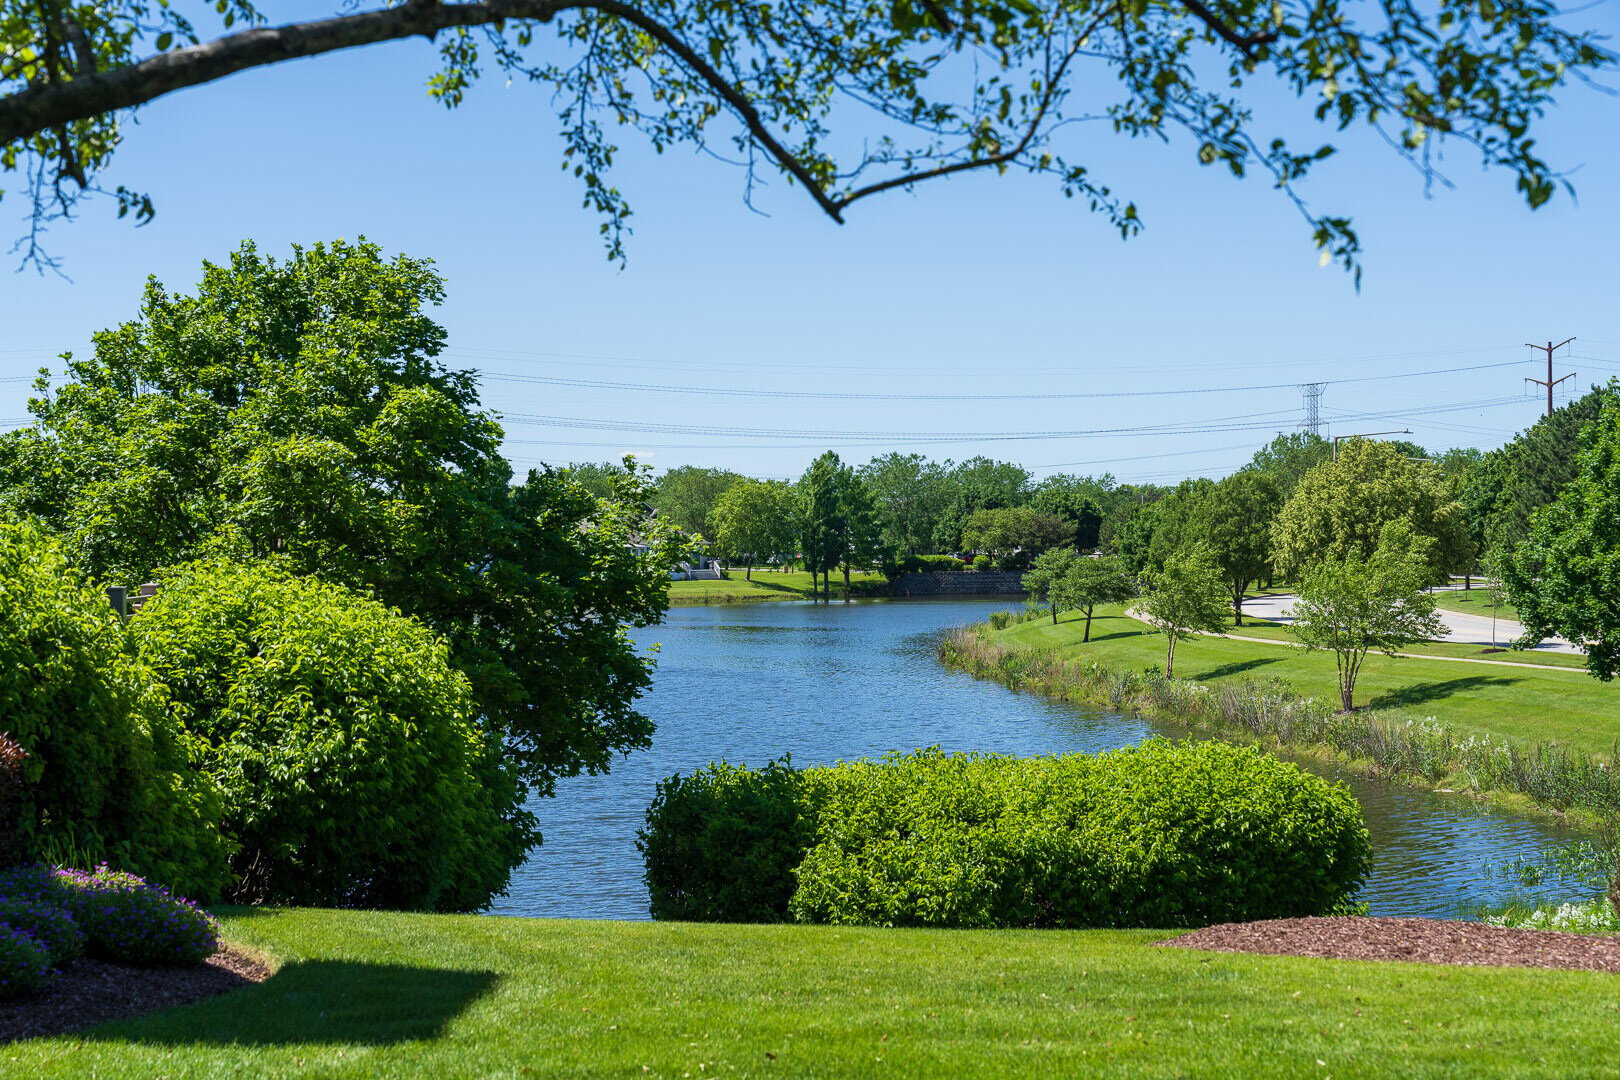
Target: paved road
{"type": "Point", "coordinates": [1463, 629]}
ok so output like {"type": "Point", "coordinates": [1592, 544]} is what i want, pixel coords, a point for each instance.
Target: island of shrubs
{"type": "Point", "coordinates": [1160, 835]}
{"type": "Point", "coordinates": [49, 917]}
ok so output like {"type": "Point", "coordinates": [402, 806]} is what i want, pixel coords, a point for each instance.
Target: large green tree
{"type": "Point", "coordinates": [1513, 481]}
{"type": "Point", "coordinates": [909, 492]}
{"type": "Point", "coordinates": [1340, 508]}
{"type": "Point", "coordinates": [823, 526]}
{"type": "Point", "coordinates": [688, 494]}
{"type": "Point", "coordinates": [1564, 576]}
{"type": "Point", "coordinates": [1234, 523]}
{"type": "Point", "coordinates": [294, 411]}
{"type": "Point", "coordinates": [1289, 457]}
{"type": "Point", "coordinates": [999, 532]}
{"type": "Point", "coordinates": [979, 483]}
{"type": "Point", "coordinates": [1080, 500]}
{"type": "Point", "coordinates": [852, 98]}
{"type": "Point", "coordinates": [756, 521]}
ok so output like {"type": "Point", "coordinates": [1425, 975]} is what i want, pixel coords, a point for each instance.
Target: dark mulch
{"type": "Point", "coordinates": [94, 991]}
{"type": "Point", "coordinates": [1424, 941]}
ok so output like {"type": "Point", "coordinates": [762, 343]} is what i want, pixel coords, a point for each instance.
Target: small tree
{"type": "Point", "coordinates": [1353, 605]}
{"type": "Point", "coordinates": [1090, 582]}
{"type": "Point", "coordinates": [1045, 574]}
{"type": "Point", "coordinates": [1187, 596]}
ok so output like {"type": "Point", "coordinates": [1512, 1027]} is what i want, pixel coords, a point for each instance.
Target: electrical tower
{"type": "Point", "coordinates": [1549, 382]}
{"type": "Point", "coordinates": [1311, 392]}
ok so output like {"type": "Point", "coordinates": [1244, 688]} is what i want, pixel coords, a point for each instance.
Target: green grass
{"type": "Point", "coordinates": [384, 995]}
{"type": "Point", "coordinates": [1522, 704]}
{"type": "Point", "coordinates": [1281, 632]}
{"type": "Point", "coordinates": [766, 585]}
{"type": "Point", "coordinates": [1475, 601]}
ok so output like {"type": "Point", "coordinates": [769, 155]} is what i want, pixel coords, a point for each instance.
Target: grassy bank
{"type": "Point", "coordinates": [381, 995]}
{"type": "Point", "coordinates": [769, 585]}
{"type": "Point", "coordinates": [1559, 705]}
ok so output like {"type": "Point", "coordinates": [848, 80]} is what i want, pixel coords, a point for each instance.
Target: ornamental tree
{"type": "Point", "coordinates": [1089, 582]}
{"type": "Point", "coordinates": [854, 98]}
{"type": "Point", "coordinates": [1353, 605]}
{"type": "Point", "coordinates": [294, 411]}
{"type": "Point", "coordinates": [1185, 597]}
{"type": "Point", "coordinates": [1564, 576]}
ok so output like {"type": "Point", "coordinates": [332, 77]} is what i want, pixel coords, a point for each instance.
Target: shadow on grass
{"type": "Point", "coordinates": [1422, 693]}
{"type": "Point", "coordinates": [1236, 668]}
{"type": "Point", "coordinates": [316, 1001]}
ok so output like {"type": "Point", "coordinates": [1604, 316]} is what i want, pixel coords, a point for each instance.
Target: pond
{"type": "Point", "coordinates": [825, 682]}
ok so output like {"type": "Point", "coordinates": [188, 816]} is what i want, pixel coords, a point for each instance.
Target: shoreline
{"type": "Point", "coordinates": [1424, 756]}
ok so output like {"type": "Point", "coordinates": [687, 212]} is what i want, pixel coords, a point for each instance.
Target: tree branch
{"type": "Point", "coordinates": [1053, 79]}
{"type": "Point", "coordinates": [1226, 33]}
{"type": "Point", "coordinates": [41, 108]}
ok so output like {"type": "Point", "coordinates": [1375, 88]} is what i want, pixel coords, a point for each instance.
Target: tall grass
{"type": "Point", "coordinates": [1270, 710]}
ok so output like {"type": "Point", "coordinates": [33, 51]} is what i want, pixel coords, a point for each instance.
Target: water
{"type": "Point", "coordinates": [749, 683]}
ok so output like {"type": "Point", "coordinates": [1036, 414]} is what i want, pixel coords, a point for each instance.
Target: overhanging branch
{"type": "Point", "coordinates": [52, 105]}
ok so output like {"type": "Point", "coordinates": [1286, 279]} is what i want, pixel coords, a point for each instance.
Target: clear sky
{"type": "Point", "coordinates": [980, 285]}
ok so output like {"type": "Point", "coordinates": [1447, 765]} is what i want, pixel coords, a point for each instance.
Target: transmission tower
{"type": "Point", "coordinates": [1311, 392]}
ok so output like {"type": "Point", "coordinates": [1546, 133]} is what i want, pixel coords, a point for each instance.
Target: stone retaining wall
{"type": "Point", "coordinates": [958, 583]}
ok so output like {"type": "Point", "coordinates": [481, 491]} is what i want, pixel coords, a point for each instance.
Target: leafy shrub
{"type": "Point", "coordinates": [106, 773]}
{"type": "Point", "coordinates": [344, 745]}
{"type": "Point", "coordinates": [984, 563]}
{"type": "Point", "coordinates": [1160, 835]}
{"type": "Point", "coordinates": [721, 845]}
{"type": "Point", "coordinates": [47, 923]}
{"type": "Point", "coordinates": [929, 564]}
{"type": "Point", "coordinates": [128, 920]}
{"type": "Point", "coordinates": [24, 963]}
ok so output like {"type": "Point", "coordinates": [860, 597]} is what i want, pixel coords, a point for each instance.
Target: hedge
{"type": "Point", "coordinates": [1159, 835]}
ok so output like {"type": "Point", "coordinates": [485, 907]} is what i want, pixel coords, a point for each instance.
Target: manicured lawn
{"type": "Point", "coordinates": [381, 995]}
{"type": "Point", "coordinates": [1281, 632]}
{"type": "Point", "coordinates": [1475, 601]}
{"type": "Point", "coordinates": [766, 585]}
{"type": "Point", "coordinates": [1522, 704]}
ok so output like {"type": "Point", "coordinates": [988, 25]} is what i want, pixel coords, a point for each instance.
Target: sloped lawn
{"type": "Point", "coordinates": [385, 995]}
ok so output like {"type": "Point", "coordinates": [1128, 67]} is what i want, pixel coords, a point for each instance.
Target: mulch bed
{"type": "Point", "coordinates": [93, 991]}
{"type": "Point", "coordinates": [1423, 941]}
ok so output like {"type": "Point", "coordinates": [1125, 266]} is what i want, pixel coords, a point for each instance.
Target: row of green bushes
{"type": "Point", "coordinates": [1269, 709]}
{"type": "Point", "coordinates": [924, 564]}
{"type": "Point", "coordinates": [1159, 835]}
{"type": "Point", "coordinates": [249, 734]}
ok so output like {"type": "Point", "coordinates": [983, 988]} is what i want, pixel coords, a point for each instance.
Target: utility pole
{"type": "Point", "coordinates": [1549, 382]}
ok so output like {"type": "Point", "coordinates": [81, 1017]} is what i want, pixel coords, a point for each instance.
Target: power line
{"type": "Point", "coordinates": [820, 367]}
{"type": "Point", "coordinates": [1219, 424]}
{"type": "Point", "coordinates": [844, 395]}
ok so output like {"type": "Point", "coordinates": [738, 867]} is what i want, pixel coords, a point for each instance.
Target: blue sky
{"type": "Point", "coordinates": [981, 285]}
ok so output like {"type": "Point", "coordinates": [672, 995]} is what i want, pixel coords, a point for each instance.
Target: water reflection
{"type": "Point", "coordinates": [825, 682]}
